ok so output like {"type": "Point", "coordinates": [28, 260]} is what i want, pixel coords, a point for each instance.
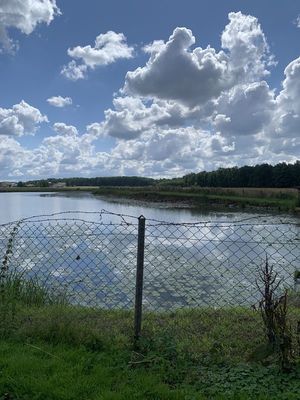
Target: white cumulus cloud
{"type": "Point", "coordinates": [24, 15]}
{"type": "Point", "coordinates": [192, 108]}
{"type": "Point", "coordinates": [65, 130]}
{"type": "Point", "coordinates": [21, 119]}
{"type": "Point", "coordinates": [59, 101]}
{"type": "Point", "coordinates": [187, 109]}
{"type": "Point", "coordinates": [132, 116]}
{"type": "Point", "coordinates": [74, 71]}
{"type": "Point", "coordinates": [245, 109]}
{"type": "Point", "coordinates": [249, 55]}
{"type": "Point", "coordinates": [194, 76]}
{"type": "Point", "coordinates": [109, 47]}
{"type": "Point", "coordinates": [283, 131]}
{"type": "Point", "coordinates": [174, 72]}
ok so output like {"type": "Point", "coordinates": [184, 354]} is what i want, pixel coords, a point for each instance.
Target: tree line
{"type": "Point", "coordinates": [281, 175]}
{"type": "Point", "coordinates": [98, 181]}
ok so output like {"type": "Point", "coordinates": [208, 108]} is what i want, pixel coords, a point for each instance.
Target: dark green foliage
{"type": "Point", "coordinates": [282, 175]}
{"type": "Point", "coordinates": [296, 275]}
{"type": "Point", "coordinates": [132, 181]}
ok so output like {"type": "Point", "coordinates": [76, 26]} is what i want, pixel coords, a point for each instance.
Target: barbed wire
{"type": "Point", "coordinates": [187, 264]}
{"type": "Point", "coordinates": [49, 217]}
{"type": "Point", "coordinates": [262, 219]}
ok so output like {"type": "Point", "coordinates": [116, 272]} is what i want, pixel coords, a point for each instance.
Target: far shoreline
{"type": "Point", "coordinates": [180, 198]}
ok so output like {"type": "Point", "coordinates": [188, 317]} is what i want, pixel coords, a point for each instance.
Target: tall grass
{"type": "Point", "coordinates": [29, 291]}
{"type": "Point", "coordinates": [18, 291]}
{"type": "Point", "coordinates": [18, 297]}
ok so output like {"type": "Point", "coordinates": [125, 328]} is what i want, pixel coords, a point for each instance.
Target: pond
{"type": "Point", "coordinates": [192, 258]}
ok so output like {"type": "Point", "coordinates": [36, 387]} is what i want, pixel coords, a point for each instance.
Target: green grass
{"type": "Point", "coordinates": [43, 371]}
{"type": "Point", "coordinates": [16, 290]}
{"type": "Point", "coordinates": [52, 350]}
{"type": "Point", "coordinates": [62, 352]}
{"type": "Point", "coordinates": [284, 204]}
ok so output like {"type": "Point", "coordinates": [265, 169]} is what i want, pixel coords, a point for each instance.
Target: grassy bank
{"type": "Point", "coordinates": [212, 197]}
{"type": "Point", "coordinates": [62, 353]}
{"type": "Point", "coordinates": [51, 350]}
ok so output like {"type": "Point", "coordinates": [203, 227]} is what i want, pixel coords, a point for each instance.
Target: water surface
{"type": "Point", "coordinates": [187, 264]}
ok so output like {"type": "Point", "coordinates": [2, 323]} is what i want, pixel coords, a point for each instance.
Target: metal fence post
{"type": "Point", "coordinates": [139, 279]}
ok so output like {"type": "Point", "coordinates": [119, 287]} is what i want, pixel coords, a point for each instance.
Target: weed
{"type": "Point", "coordinates": [274, 311]}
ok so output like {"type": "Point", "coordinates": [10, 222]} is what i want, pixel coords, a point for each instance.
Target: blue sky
{"type": "Point", "coordinates": [162, 123]}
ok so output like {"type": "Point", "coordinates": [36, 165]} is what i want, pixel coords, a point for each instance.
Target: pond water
{"type": "Point", "coordinates": [214, 262]}
{"type": "Point", "coordinates": [14, 206]}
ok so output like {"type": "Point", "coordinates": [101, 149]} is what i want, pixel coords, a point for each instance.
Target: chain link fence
{"type": "Point", "coordinates": [215, 264]}
{"type": "Point", "coordinates": [106, 261]}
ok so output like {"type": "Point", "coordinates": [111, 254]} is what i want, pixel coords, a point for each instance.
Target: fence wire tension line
{"type": "Point", "coordinates": [107, 260]}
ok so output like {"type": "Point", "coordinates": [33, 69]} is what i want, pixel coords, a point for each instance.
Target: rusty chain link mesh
{"type": "Point", "coordinates": [89, 260]}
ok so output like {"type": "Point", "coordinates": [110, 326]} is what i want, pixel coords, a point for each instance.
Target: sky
{"type": "Point", "coordinates": [158, 89]}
